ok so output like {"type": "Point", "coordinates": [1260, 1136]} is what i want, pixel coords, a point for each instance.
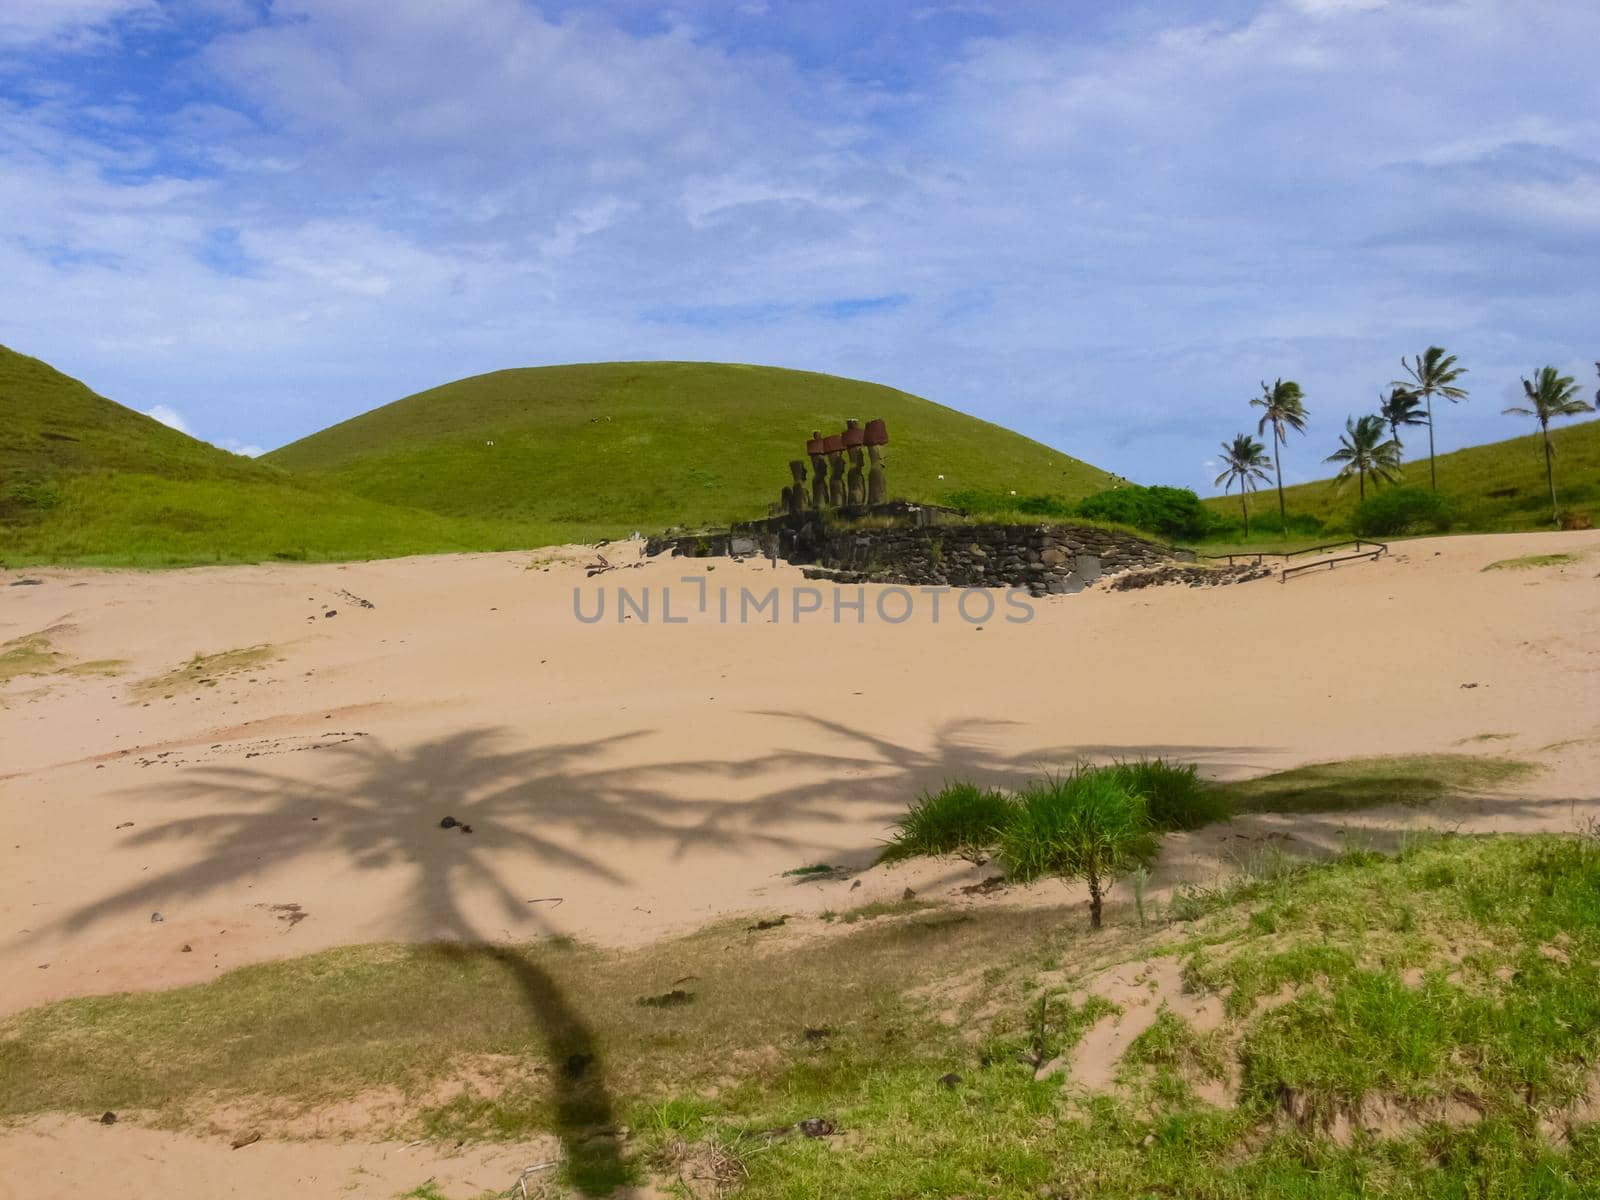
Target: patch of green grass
{"type": "Point", "coordinates": [809, 871]}
{"type": "Point", "coordinates": [204, 670]}
{"type": "Point", "coordinates": [34, 654]}
{"type": "Point", "coordinates": [30, 654]}
{"type": "Point", "coordinates": [960, 818]}
{"type": "Point", "coordinates": [1370, 782]}
{"type": "Point", "coordinates": [1176, 1053]}
{"type": "Point", "coordinates": [1529, 561]}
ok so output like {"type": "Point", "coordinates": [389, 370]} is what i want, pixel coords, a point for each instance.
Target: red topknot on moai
{"type": "Point", "coordinates": [846, 470]}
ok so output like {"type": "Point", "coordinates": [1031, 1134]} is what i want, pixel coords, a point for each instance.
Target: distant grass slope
{"type": "Point", "coordinates": [624, 446]}
{"type": "Point", "coordinates": [1499, 486]}
{"type": "Point", "coordinates": [85, 480]}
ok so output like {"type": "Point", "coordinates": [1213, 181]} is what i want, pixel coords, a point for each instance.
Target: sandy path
{"type": "Point", "coordinates": [653, 776]}
{"type": "Point", "coordinates": [71, 1157]}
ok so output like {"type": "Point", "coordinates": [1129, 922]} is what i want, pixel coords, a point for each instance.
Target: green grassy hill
{"type": "Point", "coordinates": [85, 480]}
{"type": "Point", "coordinates": [621, 446]}
{"type": "Point", "coordinates": [1499, 486]}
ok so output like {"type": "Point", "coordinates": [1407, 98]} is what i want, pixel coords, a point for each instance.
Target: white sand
{"type": "Point", "coordinates": [653, 777]}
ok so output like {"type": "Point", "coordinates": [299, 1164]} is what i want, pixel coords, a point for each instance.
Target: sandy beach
{"type": "Point", "coordinates": [629, 779]}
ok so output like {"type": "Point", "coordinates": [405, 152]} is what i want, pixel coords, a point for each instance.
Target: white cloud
{"type": "Point", "coordinates": [169, 417]}
{"type": "Point", "coordinates": [1102, 240]}
{"type": "Point", "coordinates": [235, 446]}
{"type": "Point", "coordinates": [24, 22]}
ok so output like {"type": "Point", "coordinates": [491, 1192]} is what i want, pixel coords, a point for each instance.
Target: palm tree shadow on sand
{"type": "Point", "coordinates": [378, 806]}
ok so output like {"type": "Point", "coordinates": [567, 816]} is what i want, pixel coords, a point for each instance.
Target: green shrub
{"type": "Point", "coordinates": [1226, 525]}
{"type": "Point", "coordinates": [959, 818]}
{"type": "Point", "coordinates": [27, 496]}
{"type": "Point", "coordinates": [1045, 506]}
{"type": "Point", "coordinates": [1395, 511]}
{"type": "Point", "coordinates": [1174, 796]}
{"type": "Point", "coordinates": [1167, 511]}
{"type": "Point", "coordinates": [983, 501]}
{"type": "Point", "coordinates": [1083, 825]}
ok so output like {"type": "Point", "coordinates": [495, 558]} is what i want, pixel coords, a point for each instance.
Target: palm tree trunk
{"type": "Point", "coordinates": [1277, 464]}
{"type": "Point", "coordinates": [1244, 508]}
{"type": "Point", "coordinates": [1550, 473]}
{"type": "Point", "coordinates": [1094, 897]}
{"type": "Point", "coordinates": [1433, 473]}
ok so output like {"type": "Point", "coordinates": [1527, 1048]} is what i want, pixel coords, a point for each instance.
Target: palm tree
{"type": "Point", "coordinates": [1363, 452]}
{"type": "Point", "coordinates": [1432, 372]}
{"type": "Point", "coordinates": [1246, 463]}
{"type": "Point", "coordinates": [1401, 408]}
{"type": "Point", "coordinates": [1551, 394]}
{"type": "Point", "coordinates": [1285, 410]}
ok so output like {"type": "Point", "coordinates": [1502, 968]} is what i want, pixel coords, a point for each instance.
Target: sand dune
{"type": "Point", "coordinates": [630, 778]}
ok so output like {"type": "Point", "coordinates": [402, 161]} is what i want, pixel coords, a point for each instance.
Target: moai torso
{"type": "Point", "coordinates": [856, 479]}
{"type": "Point", "coordinates": [796, 493]}
{"type": "Point", "coordinates": [835, 447]}
{"type": "Point", "coordinates": [819, 471]}
{"type": "Point", "coordinates": [877, 482]}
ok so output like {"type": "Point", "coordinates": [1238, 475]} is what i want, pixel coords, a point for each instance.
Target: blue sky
{"type": "Point", "coordinates": [1101, 224]}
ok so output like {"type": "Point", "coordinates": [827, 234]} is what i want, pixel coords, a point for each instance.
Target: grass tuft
{"type": "Point", "coordinates": [960, 818]}
{"type": "Point", "coordinates": [1064, 823]}
{"type": "Point", "coordinates": [1174, 796]}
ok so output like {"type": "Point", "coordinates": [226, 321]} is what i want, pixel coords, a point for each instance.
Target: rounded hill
{"type": "Point", "coordinates": [85, 480]}
{"type": "Point", "coordinates": [617, 446]}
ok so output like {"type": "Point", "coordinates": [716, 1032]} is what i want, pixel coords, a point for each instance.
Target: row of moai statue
{"type": "Point", "coordinates": [846, 470]}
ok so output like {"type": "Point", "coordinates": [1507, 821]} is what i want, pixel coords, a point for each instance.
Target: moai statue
{"type": "Point", "coordinates": [797, 493]}
{"type": "Point", "coordinates": [856, 481]}
{"type": "Point", "coordinates": [877, 482]}
{"type": "Point", "coordinates": [834, 445]}
{"type": "Point", "coordinates": [819, 471]}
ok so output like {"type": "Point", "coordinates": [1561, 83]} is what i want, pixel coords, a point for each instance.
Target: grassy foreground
{"type": "Point", "coordinates": [1426, 1025]}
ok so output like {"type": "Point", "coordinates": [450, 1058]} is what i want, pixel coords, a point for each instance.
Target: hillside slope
{"type": "Point", "coordinates": [1497, 486]}
{"type": "Point", "coordinates": [644, 445]}
{"type": "Point", "coordinates": [85, 480]}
